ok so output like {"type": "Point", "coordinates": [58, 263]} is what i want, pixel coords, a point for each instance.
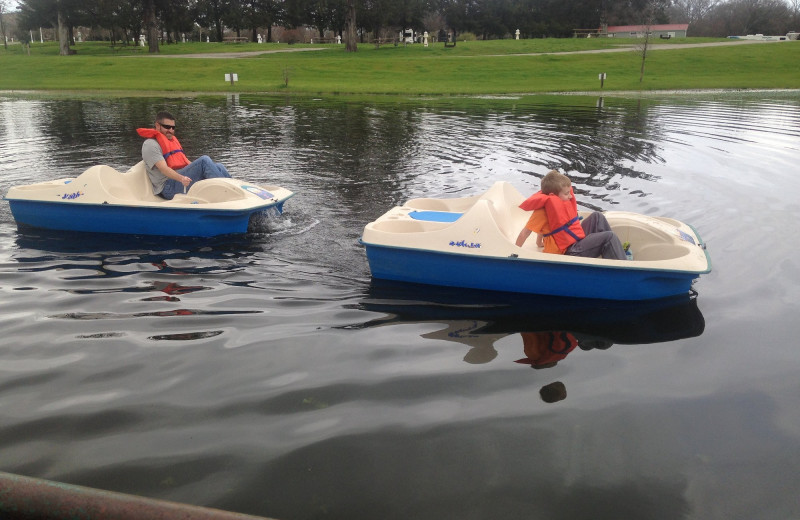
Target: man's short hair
{"type": "Point", "coordinates": [164, 115]}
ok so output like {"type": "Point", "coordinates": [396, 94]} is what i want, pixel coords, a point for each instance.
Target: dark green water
{"type": "Point", "coordinates": [266, 374]}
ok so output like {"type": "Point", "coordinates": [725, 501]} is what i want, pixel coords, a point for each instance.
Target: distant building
{"type": "Point", "coordinates": [761, 37]}
{"type": "Point", "coordinates": [671, 30]}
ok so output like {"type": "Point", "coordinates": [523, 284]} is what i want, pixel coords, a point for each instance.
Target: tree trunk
{"type": "Point", "coordinates": [350, 32]}
{"type": "Point", "coordinates": [63, 33]}
{"type": "Point", "coordinates": [644, 46]}
{"type": "Point", "coordinates": [3, 28]}
{"type": "Point", "coordinates": [217, 19]}
{"type": "Point", "coordinates": [150, 26]}
{"type": "Point", "coordinates": [649, 20]}
{"type": "Point", "coordinates": [644, 57]}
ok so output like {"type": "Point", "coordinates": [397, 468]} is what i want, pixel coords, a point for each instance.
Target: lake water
{"type": "Point", "coordinates": [267, 374]}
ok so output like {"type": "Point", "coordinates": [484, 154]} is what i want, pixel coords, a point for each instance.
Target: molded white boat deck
{"type": "Point", "coordinates": [486, 227]}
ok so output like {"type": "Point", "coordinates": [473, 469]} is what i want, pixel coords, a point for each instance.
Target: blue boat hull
{"type": "Point", "coordinates": [525, 276]}
{"type": "Point", "coordinates": [133, 220]}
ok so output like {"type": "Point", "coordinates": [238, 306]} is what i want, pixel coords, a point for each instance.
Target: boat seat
{"type": "Point", "coordinates": [435, 216]}
{"type": "Point", "coordinates": [132, 185]}
{"type": "Point", "coordinates": [502, 193]}
{"type": "Point", "coordinates": [429, 204]}
{"type": "Point", "coordinates": [139, 183]}
{"type": "Point", "coordinates": [505, 199]}
{"type": "Point", "coordinates": [502, 197]}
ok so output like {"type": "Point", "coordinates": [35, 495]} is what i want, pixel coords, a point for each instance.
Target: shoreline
{"type": "Point", "coordinates": [425, 97]}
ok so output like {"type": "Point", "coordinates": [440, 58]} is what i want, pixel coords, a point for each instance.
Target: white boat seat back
{"type": "Point", "coordinates": [104, 182]}
{"type": "Point", "coordinates": [506, 200]}
{"type": "Point", "coordinates": [139, 183]}
{"type": "Point", "coordinates": [101, 183]}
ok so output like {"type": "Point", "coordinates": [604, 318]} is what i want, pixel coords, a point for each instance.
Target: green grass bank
{"type": "Point", "coordinates": [470, 68]}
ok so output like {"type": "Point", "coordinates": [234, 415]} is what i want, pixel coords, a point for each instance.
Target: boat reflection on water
{"type": "Point", "coordinates": [550, 327]}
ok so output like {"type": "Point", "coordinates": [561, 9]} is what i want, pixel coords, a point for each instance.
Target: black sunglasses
{"type": "Point", "coordinates": [168, 127]}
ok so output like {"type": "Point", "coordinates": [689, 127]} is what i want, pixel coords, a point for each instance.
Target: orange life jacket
{"type": "Point", "coordinates": [542, 348]}
{"type": "Point", "coordinates": [170, 148]}
{"type": "Point", "coordinates": [562, 215]}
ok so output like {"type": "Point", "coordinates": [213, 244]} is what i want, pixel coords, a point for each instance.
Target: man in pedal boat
{"type": "Point", "coordinates": [168, 168]}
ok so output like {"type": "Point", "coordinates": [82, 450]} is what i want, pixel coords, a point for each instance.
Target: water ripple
{"type": "Point", "coordinates": [209, 370]}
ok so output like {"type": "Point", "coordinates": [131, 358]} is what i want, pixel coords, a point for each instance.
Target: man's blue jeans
{"type": "Point", "coordinates": [201, 168]}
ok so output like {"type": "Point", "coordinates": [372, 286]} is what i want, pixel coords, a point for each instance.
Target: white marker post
{"type": "Point", "coordinates": [602, 78]}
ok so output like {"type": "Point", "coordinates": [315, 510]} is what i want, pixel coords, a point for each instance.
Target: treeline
{"type": "Point", "coordinates": [172, 20]}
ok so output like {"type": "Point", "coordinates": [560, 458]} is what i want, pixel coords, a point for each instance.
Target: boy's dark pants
{"type": "Point", "coordinates": [599, 241]}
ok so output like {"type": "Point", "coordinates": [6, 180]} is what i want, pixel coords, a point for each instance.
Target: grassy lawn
{"type": "Point", "coordinates": [477, 67]}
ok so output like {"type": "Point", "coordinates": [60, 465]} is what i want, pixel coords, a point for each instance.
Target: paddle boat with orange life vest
{"type": "Point", "coordinates": [470, 242]}
{"type": "Point", "coordinates": [104, 200]}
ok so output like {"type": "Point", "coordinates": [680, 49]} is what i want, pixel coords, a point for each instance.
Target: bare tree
{"type": "Point", "coordinates": [756, 16]}
{"type": "Point", "coordinates": [794, 5]}
{"type": "Point", "coordinates": [648, 16]}
{"type": "Point", "coordinates": [433, 22]}
{"type": "Point", "coordinates": [690, 11]}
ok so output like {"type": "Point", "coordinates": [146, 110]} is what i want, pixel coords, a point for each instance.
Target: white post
{"type": "Point", "coordinates": [41, 36]}
{"type": "Point", "coordinates": [425, 38]}
{"type": "Point", "coordinates": [516, 33]}
{"type": "Point", "coordinates": [338, 39]}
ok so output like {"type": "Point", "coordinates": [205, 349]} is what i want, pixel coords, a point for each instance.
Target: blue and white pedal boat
{"type": "Point", "coordinates": [470, 242]}
{"type": "Point", "coordinates": [104, 200]}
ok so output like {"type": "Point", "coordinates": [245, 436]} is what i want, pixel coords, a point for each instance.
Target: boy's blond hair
{"type": "Point", "coordinates": [554, 182]}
